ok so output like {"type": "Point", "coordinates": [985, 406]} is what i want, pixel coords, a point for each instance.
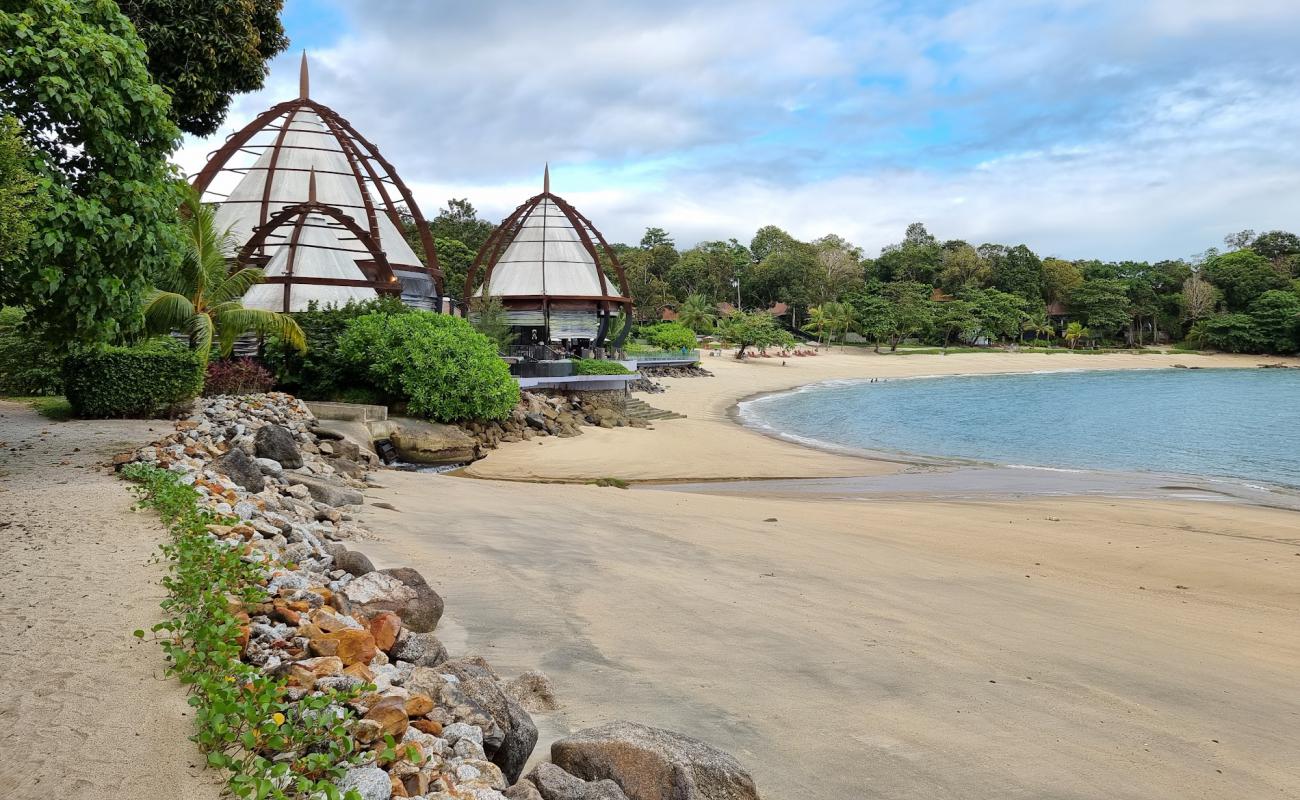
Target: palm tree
{"type": "Point", "coordinates": [697, 313]}
{"type": "Point", "coordinates": [202, 298]}
{"type": "Point", "coordinates": [819, 322]}
{"type": "Point", "coordinates": [1074, 332]}
{"type": "Point", "coordinates": [1037, 325]}
{"type": "Point", "coordinates": [840, 318]}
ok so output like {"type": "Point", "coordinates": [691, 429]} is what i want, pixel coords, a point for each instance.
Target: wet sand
{"type": "Point", "coordinates": [884, 630]}
{"type": "Point", "coordinates": [887, 648]}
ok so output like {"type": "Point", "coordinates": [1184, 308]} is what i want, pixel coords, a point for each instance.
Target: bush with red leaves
{"type": "Point", "coordinates": [236, 376]}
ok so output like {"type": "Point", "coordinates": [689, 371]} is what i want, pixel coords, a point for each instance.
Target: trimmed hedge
{"type": "Point", "coordinates": [442, 367]}
{"type": "Point", "coordinates": [142, 381]}
{"type": "Point", "coordinates": [671, 336]}
{"type": "Point", "coordinates": [28, 365]}
{"type": "Point", "coordinates": [595, 366]}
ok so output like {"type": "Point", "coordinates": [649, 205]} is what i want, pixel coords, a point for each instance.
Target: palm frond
{"type": "Point", "coordinates": [234, 321]}
{"type": "Point", "coordinates": [200, 331]}
{"type": "Point", "coordinates": [165, 312]}
{"type": "Point", "coordinates": [235, 286]}
{"type": "Point", "coordinates": [203, 264]}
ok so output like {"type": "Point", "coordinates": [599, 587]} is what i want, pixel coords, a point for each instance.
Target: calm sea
{"type": "Point", "coordinates": [1241, 424]}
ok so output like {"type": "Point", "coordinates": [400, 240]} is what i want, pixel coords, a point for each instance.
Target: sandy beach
{"type": "Point", "coordinates": [890, 647]}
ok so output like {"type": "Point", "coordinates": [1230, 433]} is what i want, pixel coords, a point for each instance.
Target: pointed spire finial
{"type": "Point", "coordinates": [303, 82]}
{"type": "Point", "coordinates": [311, 186]}
{"type": "Point", "coordinates": [546, 178]}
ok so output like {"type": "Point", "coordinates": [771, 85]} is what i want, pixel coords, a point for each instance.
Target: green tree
{"type": "Point", "coordinates": [202, 297]}
{"type": "Point", "coordinates": [74, 76]}
{"type": "Point", "coordinates": [838, 269]}
{"type": "Point", "coordinates": [916, 259]}
{"type": "Point", "coordinates": [1242, 276]}
{"type": "Point", "coordinates": [952, 318]}
{"type": "Point", "coordinates": [697, 313]}
{"type": "Point", "coordinates": [18, 198]}
{"type": "Point", "coordinates": [1020, 272]}
{"type": "Point", "coordinates": [768, 240]}
{"type": "Point", "coordinates": [1276, 317]}
{"type": "Point", "coordinates": [963, 269]}
{"type": "Point", "coordinates": [656, 237]}
{"type": "Point", "coordinates": [459, 222]}
{"type": "Point", "coordinates": [1232, 333]}
{"type": "Point", "coordinates": [455, 258]}
{"type": "Point", "coordinates": [1282, 248]}
{"type": "Point", "coordinates": [911, 310]}
{"type": "Point", "coordinates": [204, 51]}
{"type": "Point", "coordinates": [488, 317]}
{"type": "Point", "coordinates": [756, 329]}
{"type": "Point", "coordinates": [873, 316]}
{"type": "Point", "coordinates": [1060, 277]}
{"type": "Point", "coordinates": [998, 315]}
{"type": "Point", "coordinates": [1102, 304]}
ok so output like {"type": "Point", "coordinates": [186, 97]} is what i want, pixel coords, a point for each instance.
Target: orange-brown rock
{"type": "Point", "coordinates": [282, 611]}
{"type": "Point", "coordinates": [399, 789]}
{"type": "Point", "coordinates": [360, 671]}
{"type": "Point", "coordinates": [429, 726]}
{"type": "Point", "coordinates": [390, 713]}
{"type": "Point", "coordinates": [322, 666]}
{"type": "Point", "coordinates": [187, 425]}
{"type": "Point", "coordinates": [417, 784]}
{"type": "Point", "coordinates": [301, 606]}
{"type": "Point", "coordinates": [245, 629]}
{"type": "Point", "coordinates": [123, 458]}
{"type": "Point", "coordinates": [298, 675]}
{"type": "Point", "coordinates": [328, 621]}
{"type": "Point", "coordinates": [417, 705]}
{"type": "Point", "coordinates": [351, 645]}
{"type": "Point", "coordinates": [366, 731]}
{"type": "Point", "coordinates": [220, 531]}
{"type": "Point", "coordinates": [385, 626]}
{"type": "Point", "coordinates": [324, 646]}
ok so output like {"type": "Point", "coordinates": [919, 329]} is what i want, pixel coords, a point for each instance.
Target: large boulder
{"type": "Point", "coordinates": [454, 704]}
{"type": "Point", "coordinates": [372, 593]}
{"type": "Point", "coordinates": [277, 443]}
{"type": "Point", "coordinates": [354, 562]}
{"type": "Point", "coordinates": [554, 783]}
{"type": "Point", "coordinates": [421, 649]}
{"type": "Point", "coordinates": [241, 469]}
{"type": "Point", "coordinates": [420, 614]}
{"type": "Point", "coordinates": [421, 442]}
{"type": "Point", "coordinates": [653, 764]}
{"type": "Point", "coordinates": [477, 680]}
{"type": "Point", "coordinates": [330, 494]}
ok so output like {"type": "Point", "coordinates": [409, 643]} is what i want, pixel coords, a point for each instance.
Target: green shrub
{"type": "Point", "coordinates": [28, 365]}
{"type": "Point", "coordinates": [320, 373]}
{"type": "Point", "coordinates": [142, 381]}
{"type": "Point", "coordinates": [671, 336]}
{"type": "Point", "coordinates": [596, 366]}
{"type": "Point", "coordinates": [1232, 333]}
{"type": "Point", "coordinates": [441, 366]}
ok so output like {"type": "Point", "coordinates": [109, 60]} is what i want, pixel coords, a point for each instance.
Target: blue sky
{"type": "Point", "coordinates": [1084, 128]}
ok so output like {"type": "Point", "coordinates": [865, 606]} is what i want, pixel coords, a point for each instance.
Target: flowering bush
{"type": "Point", "coordinates": [236, 376]}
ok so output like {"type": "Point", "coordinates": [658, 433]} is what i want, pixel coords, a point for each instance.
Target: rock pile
{"type": "Point", "coordinates": [542, 415]}
{"type": "Point", "coordinates": [692, 371]}
{"type": "Point", "coordinates": [332, 621]}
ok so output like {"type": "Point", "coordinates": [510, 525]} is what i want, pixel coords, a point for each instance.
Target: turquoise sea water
{"type": "Point", "coordinates": [1217, 423]}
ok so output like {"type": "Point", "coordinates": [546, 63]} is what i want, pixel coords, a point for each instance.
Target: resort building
{"type": "Point", "coordinates": [320, 210]}
{"type": "Point", "coordinates": [557, 279]}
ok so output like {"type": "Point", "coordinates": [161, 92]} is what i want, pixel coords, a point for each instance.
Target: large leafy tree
{"type": "Point", "coordinates": [962, 269]}
{"type": "Point", "coordinates": [202, 297]}
{"type": "Point", "coordinates": [455, 258]}
{"type": "Point", "coordinates": [1000, 315]}
{"type": "Point", "coordinates": [1059, 279]}
{"type": "Point", "coordinates": [460, 222]}
{"type": "Point", "coordinates": [74, 75]}
{"type": "Point", "coordinates": [1276, 315]}
{"type": "Point", "coordinates": [915, 259]}
{"type": "Point", "coordinates": [911, 310]}
{"type": "Point", "coordinates": [1019, 271]}
{"type": "Point", "coordinates": [1102, 304]}
{"type": "Point", "coordinates": [1242, 276]}
{"type": "Point", "coordinates": [873, 316]}
{"type": "Point", "coordinates": [756, 329]}
{"type": "Point", "coordinates": [204, 51]}
{"type": "Point", "coordinates": [952, 318]}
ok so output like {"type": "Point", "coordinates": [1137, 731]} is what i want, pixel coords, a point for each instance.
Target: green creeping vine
{"type": "Point", "coordinates": [274, 749]}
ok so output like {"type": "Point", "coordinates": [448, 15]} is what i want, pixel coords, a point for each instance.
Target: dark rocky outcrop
{"type": "Point", "coordinates": [241, 469]}
{"type": "Point", "coordinates": [422, 613]}
{"type": "Point", "coordinates": [325, 492]}
{"type": "Point", "coordinates": [479, 682]}
{"type": "Point", "coordinates": [653, 764]}
{"type": "Point", "coordinates": [354, 562]}
{"type": "Point", "coordinates": [554, 783]}
{"type": "Point", "coordinates": [277, 443]}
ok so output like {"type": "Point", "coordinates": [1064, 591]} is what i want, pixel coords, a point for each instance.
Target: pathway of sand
{"type": "Point", "coordinates": [85, 710]}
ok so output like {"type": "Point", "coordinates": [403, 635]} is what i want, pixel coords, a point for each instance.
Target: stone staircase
{"type": "Point", "coordinates": [637, 408]}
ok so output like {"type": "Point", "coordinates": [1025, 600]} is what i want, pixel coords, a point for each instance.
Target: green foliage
{"type": "Point", "coordinates": [697, 313]}
{"type": "Point", "coordinates": [670, 336]}
{"type": "Point", "coordinates": [19, 202]}
{"type": "Point", "coordinates": [74, 76]}
{"type": "Point", "coordinates": [911, 309]}
{"type": "Point", "coordinates": [596, 366]}
{"type": "Point", "coordinates": [439, 364]}
{"type": "Point", "coordinates": [873, 316]}
{"type": "Point", "coordinates": [28, 365]}
{"type": "Point", "coordinates": [1232, 333]}
{"type": "Point", "coordinates": [1102, 303]}
{"type": "Point", "coordinates": [1019, 271]}
{"type": "Point", "coordinates": [830, 320]}
{"type": "Point", "coordinates": [999, 315]}
{"type": "Point", "coordinates": [272, 749]}
{"type": "Point", "coordinates": [202, 297]}
{"type": "Point", "coordinates": [204, 51]}
{"type": "Point", "coordinates": [953, 318]}
{"type": "Point", "coordinates": [321, 373]}
{"type": "Point", "coordinates": [488, 317]}
{"type": "Point", "coordinates": [455, 258]}
{"type": "Point", "coordinates": [1242, 276]}
{"type": "Point", "coordinates": [1276, 317]}
{"type": "Point", "coordinates": [1075, 333]}
{"type": "Point", "coordinates": [142, 381]}
{"type": "Point", "coordinates": [756, 329]}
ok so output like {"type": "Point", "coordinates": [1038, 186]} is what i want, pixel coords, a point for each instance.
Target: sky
{"type": "Point", "coordinates": [1112, 129]}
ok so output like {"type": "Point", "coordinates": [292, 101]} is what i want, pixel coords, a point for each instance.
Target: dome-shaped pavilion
{"type": "Point", "coordinates": [544, 263]}
{"type": "Point", "coordinates": [319, 209]}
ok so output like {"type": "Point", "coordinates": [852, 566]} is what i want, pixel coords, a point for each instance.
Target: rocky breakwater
{"type": "Point", "coordinates": [428, 725]}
